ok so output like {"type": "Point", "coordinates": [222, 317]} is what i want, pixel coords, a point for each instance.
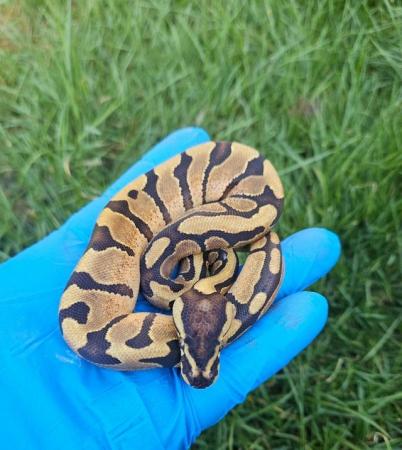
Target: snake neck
{"type": "Point", "coordinates": [201, 320]}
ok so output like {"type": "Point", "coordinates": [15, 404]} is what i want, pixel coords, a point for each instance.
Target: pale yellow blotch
{"type": "Point", "coordinates": [275, 261]}
{"type": "Point", "coordinates": [273, 296]}
{"type": "Point", "coordinates": [241, 204]}
{"type": "Point", "coordinates": [231, 224]}
{"type": "Point", "coordinates": [274, 238]}
{"type": "Point", "coordinates": [125, 329]}
{"type": "Point", "coordinates": [183, 248]}
{"type": "Point", "coordinates": [168, 188]}
{"type": "Point", "coordinates": [243, 149]}
{"type": "Point", "coordinates": [252, 185]}
{"type": "Point", "coordinates": [221, 175]}
{"type": "Point", "coordinates": [215, 242]}
{"type": "Point", "coordinates": [230, 313]}
{"type": "Point", "coordinates": [196, 171]}
{"type": "Point", "coordinates": [111, 265]}
{"type": "Point", "coordinates": [177, 310]}
{"type": "Point", "coordinates": [210, 207]}
{"type": "Point", "coordinates": [259, 244]}
{"type": "Point", "coordinates": [243, 287]}
{"type": "Point", "coordinates": [155, 251]}
{"type": "Point", "coordinates": [205, 286]}
{"type": "Point", "coordinates": [123, 230]}
{"type": "Point", "coordinates": [104, 306]}
{"type": "Point", "coordinates": [145, 208]}
{"type": "Point", "coordinates": [208, 285]}
{"type": "Point", "coordinates": [273, 179]}
{"type": "Point", "coordinates": [163, 295]}
{"type": "Point", "coordinates": [74, 333]}
{"type": "Point", "coordinates": [233, 329]}
{"type": "Point", "coordinates": [257, 302]}
{"type": "Point", "coordinates": [162, 331]}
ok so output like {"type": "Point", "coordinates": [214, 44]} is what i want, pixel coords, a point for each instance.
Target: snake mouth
{"type": "Point", "coordinates": [197, 377]}
{"type": "Point", "coordinates": [199, 381]}
{"type": "Point", "coordinates": [199, 372]}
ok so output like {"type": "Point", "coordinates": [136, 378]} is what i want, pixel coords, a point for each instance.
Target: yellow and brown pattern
{"type": "Point", "coordinates": [190, 212]}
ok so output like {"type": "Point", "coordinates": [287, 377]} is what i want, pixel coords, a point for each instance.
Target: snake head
{"type": "Point", "coordinates": [201, 321]}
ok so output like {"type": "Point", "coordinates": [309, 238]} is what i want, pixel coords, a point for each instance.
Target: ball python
{"type": "Point", "coordinates": [173, 232]}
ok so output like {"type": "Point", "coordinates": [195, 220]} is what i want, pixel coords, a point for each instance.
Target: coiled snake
{"type": "Point", "coordinates": [174, 230]}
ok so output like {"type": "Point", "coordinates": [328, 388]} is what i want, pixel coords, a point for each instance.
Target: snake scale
{"type": "Point", "coordinates": [173, 232]}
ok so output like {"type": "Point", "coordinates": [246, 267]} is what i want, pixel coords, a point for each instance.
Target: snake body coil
{"type": "Point", "coordinates": [174, 230]}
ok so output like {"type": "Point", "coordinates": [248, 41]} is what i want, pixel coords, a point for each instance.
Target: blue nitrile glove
{"type": "Point", "coordinates": [52, 399]}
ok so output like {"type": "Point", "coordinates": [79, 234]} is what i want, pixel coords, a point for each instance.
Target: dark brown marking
{"type": "Point", "coordinates": [254, 167]}
{"type": "Point", "coordinates": [84, 281]}
{"type": "Point", "coordinates": [267, 197]}
{"type": "Point", "coordinates": [133, 194]}
{"type": "Point", "coordinates": [171, 359]}
{"type": "Point", "coordinates": [219, 154]}
{"type": "Point", "coordinates": [190, 272]}
{"type": "Point", "coordinates": [151, 190]}
{"type": "Point", "coordinates": [121, 207]}
{"type": "Point", "coordinates": [78, 311]}
{"type": "Point", "coordinates": [142, 339]}
{"type": "Point", "coordinates": [95, 348]}
{"type": "Point", "coordinates": [102, 239]}
{"type": "Point", "coordinates": [267, 283]}
{"type": "Point", "coordinates": [180, 172]}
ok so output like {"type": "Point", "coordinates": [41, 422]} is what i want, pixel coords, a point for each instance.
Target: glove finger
{"type": "Point", "coordinates": [266, 348]}
{"type": "Point", "coordinates": [309, 255]}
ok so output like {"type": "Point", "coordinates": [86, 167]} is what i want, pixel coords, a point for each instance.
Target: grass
{"type": "Point", "coordinates": [316, 85]}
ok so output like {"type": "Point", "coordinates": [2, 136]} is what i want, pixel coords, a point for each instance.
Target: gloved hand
{"type": "Point", "coordinates": [52, 399]}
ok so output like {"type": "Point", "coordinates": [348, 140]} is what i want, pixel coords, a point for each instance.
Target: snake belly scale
{"type": "Point", "coordinates": [173, 233]}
